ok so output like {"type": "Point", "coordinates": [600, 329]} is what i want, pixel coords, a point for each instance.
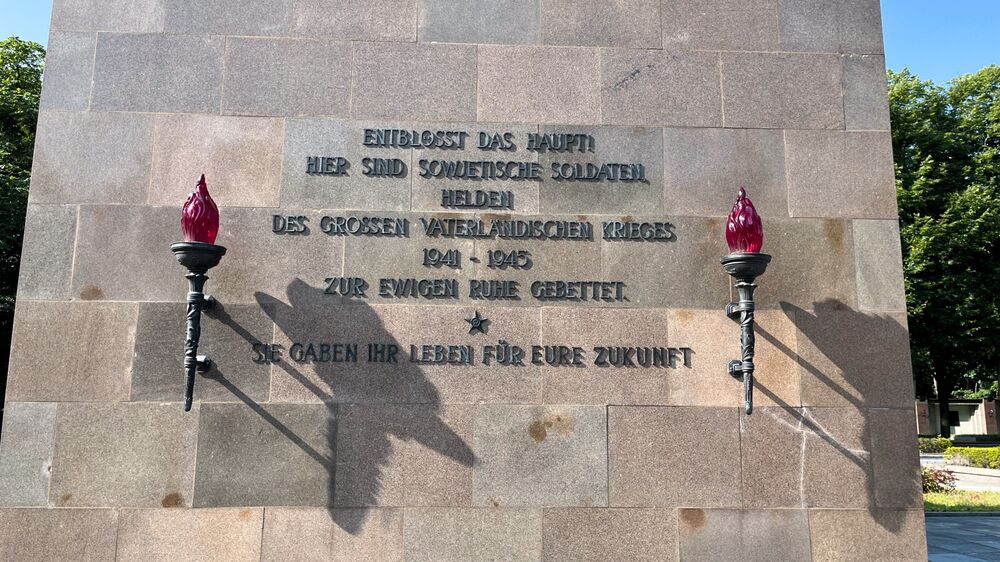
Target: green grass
{"type": "Point", "coordinates": [962, 500]}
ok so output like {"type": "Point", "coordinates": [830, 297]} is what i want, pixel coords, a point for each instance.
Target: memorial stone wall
{"type": "Point", "coordinates": [472, 306]}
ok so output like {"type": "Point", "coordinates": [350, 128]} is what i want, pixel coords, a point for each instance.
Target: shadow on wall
{"type": "Point", "coordinates": [849, 363]}
{"type": "Point", "coordinates": [359, 436]}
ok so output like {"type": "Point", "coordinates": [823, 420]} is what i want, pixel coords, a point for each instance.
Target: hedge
{"type": "Point", "coordinates": [933, 444]}
{"type": "Point", "coordinates": [983, 457]}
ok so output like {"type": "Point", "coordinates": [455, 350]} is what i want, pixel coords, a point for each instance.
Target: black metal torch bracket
{"type": "Point", "coordinates": [198, 258]}
{"type": "Point", "coordinates": [744, 268]}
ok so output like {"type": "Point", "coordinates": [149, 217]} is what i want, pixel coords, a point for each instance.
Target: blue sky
{"type": "Point", "coordinates": [937, 39]}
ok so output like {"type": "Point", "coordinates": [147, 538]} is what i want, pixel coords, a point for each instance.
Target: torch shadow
{"type": "Point", "coordinates": [861, 391]}
{"type": "Point", "coordinates": [374, 409]}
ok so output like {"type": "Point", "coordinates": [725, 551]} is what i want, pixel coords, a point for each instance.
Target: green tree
{"type": "Point", "coordinates": [20, 87]}
{"type": "Point", "coordinates": [946, 143]}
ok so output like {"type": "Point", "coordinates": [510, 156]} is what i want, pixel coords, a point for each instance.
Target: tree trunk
{"type": "Point", "coordinates": [944, 408]}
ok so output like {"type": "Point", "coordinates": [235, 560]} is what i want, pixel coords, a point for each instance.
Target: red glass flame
{"type": "Point", "coordinates": [744, 231]}
{"type": "Point", "coordinates": [200, 218]}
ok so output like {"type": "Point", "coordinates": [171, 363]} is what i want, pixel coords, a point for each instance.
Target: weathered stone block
{"type": "Point", "coordinates": [650, 451]}
{"type": "Point", "coordinates": [125, 16]}
{"type": "Point", "coordinates": [82, 535]}
{"type": "Point", "coordinates": [240, 157]}
{"type": "Point", "coordinates": [782, 90]}
{"type": "Point", "coordinates": [228, 336]}
{"type": "Point", "coordinates": [403, 81]}
{"type": "Point", "coordinates": [629, 23]}
{"type": "Point", "coordinates": [539, 85]}
{"type": "Point", "coordinates": [304, 315]}
{"type": "Point", "coordinates": [838, 174]}
{"type": "Point", "coordinates": [404, 455]}
{"type": "Point", "coordinates": [541, 456]}
{"type": "Point", "coordinates": [161, 73]}
{"type": "Point", "coordinates": [866, 102]}
{"type": "Point", "coordinates": [609, 534]}
{"type": "Point", "coordinates": [287, 77]}
{"type": "Point", "coordinates": [277, 454]}
{"type": "Point", "coordinates": [895, 460]}
{"type": "Point", "coordinates": [704, 168]}
{"type": "Point", "coordinates": [69, 352]}
{"type": "Point", "coordinates": [836, 457]}
{"type": "Point", "coordinates": [261, 262]}
{"type": "Point", "coordinates": [440, 535]}
{"type": "Point", "coordinates": [679, 88]}
{"type": "Point", "coordinates": [305, 138]}
{"type": "Point", "coordinates": [26, 453]}
{"type": "Point", "coordinates": [209, 534]}
{"type": "Point", "coordinates": [879, 264]}
{"type": "Point", "coordinates": [880, 534]}
{"type": "Point", "coordinates": [479, 21]}
{"type": "Point", "coordinates": [722, 534]}
{"type": "Point", "coordinates": [229, 17]}
{"type": "Point", "coordinates": [715, 341]}
{"type": "Point", "coordinates": [794, 279]}
{"type": "Point", "coordinates": [47, 252]}
{"type": "Point", "coordinates": [852, 358]}
{"type": "Point", "coordinates": [91, 158]}
{"type": "Point", "coordinates": [137, 455]}
{"type": "Point", "coordinates": [772, 452]}
{"type": "Point", "coordinates": [308, 535]}
{"type": "Point", "coordinates": [123, 253]}
{"type": "Point", "coordinates": [839, 26]}
{"type": "Point", "coordinates": [653, 278]}
{"type": "Point", "coordinates": [69, 62]}
{"type": "Point", "coordinates": [726, 25]}
{"type": "Point", "coordinates": [613, 145]}
{"type": "Point", "coordinates": [357, 20]}
{"type": "Point", "coordinates": [588, 328]}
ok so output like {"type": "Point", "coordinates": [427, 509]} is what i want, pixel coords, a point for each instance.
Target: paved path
{"type": "Point", "coordinates": [963, 539]}
{"type": "Point", "coordinates": [967, 478]}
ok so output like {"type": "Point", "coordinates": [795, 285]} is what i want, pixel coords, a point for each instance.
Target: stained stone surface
{"type": "Point", "coordinates": [606, 534]}
{"type": "Point", "coordinates": [58, 534]}
{"type": "Point", "coordinates": [721, 24]}
{"type": "Point", "coordinates": [47, 252]}
{"type": "Point", "coordinates": [230, 333]}
{"type": "Point", "coordinates": [240, 154]}
{"type": "Point", "coordinates": [671, 88]}
{"type": "Point", "coordinates": [649, 451]}
{"type": "Point", "coordinates": [146, 72]}
{"type": "Point", "coordinates": [875, 534]}
{"type": "Point", "coordinates": [89, 157]}
{"type": "Point", "coordinates": [71, 351]}
{"type": "Point", "coordinates": [68, 67]}
{"type": "Point", "coordinates": [212, 534]}
{"type": "Point", "coordinates": [304, 534]}
{"type": "Point", "coordinates": [541, 456]}
{"type": "Point", "coordinates": [264, 77]}
{"type": "Point", "coordinates": [472, 534]}
{"type": "Point", "coordinates": [520, 84]}
{"type": "Point", "coordinates": [354, 411]}
{"type": "Point", "coordinates": [26, 453]}
{"type": "Point", "coordinates": [253, 455]}
{"type": "Point", "coordinates": [479, 21]}
{"type": "Point", "coordinates": [720, 534]}
{"type": "Point", "coordinates": [123, 455]}
{"type": "Point", "coordinates": [629, 23]}
{"type": "Point", "coordinates": [786, 90]}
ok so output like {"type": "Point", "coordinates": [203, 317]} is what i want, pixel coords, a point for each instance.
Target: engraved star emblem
{"type": "Point", "coordinates": [478, 324]}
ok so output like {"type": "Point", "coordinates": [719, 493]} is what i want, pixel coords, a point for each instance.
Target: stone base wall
{"type": "Point", "coordinates": [297, 460]}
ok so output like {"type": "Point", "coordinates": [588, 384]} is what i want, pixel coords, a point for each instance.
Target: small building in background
{"type": "Point", "coordinates": [966, 417]}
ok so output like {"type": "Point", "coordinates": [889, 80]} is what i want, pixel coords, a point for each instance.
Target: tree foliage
{"type": "Point", "coordinates": [946, 142]}
{"type": "Point", "coordinates": [21, 65]}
